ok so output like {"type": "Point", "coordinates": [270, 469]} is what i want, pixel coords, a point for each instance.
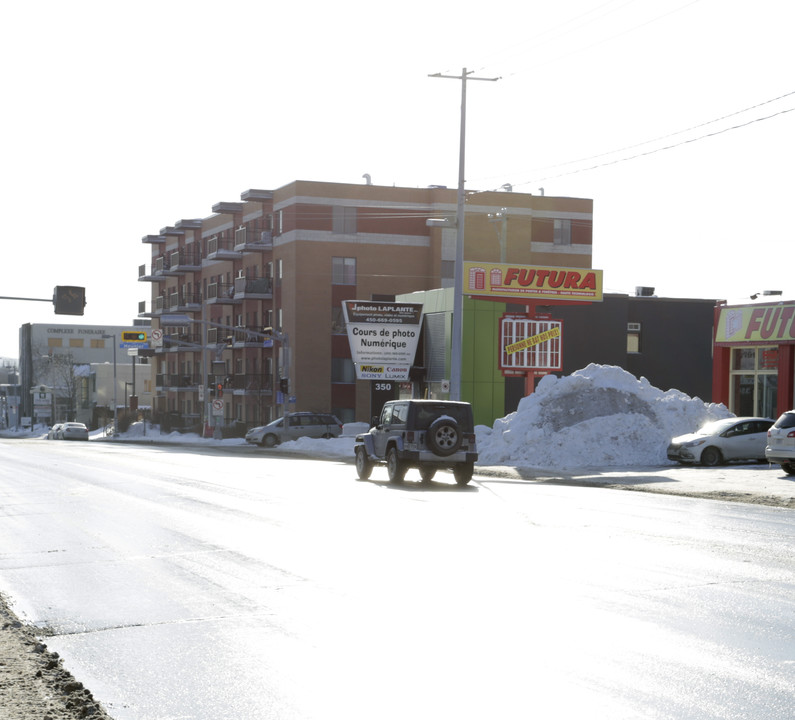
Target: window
{"type": "Point", "coordinates": [54, 342]}
{"type": "Point", "coordinates": [97, 343]}
{"type": "Point", "coordinates": [633, 337]}
{"type": "Point", "coordinates": [754, 381]}
{"type": "Point", "coordinates": [562, 232]}
{"type": "Point", "coordinates": [342, 370]}
{"type": "Point", "coordinates": [343, 271]}
{"type": "Point", "coordinates": [343, 220]}
{"type": "Point", "coordinates": [337, 322]}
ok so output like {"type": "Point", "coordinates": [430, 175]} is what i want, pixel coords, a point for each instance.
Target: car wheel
{"type": "Point", "coordinates": [788, 468]}
{"type": "Point", "coordinates": [269, 441]}
{"type": "Point", "coordinates": [444, 437]}
{"type": "Point", "coordinates": [463, 472]}
{"type": "Point", "coordinates": [394, 467]}
{"type": "Point", "coordinates": [711, 457]}
{"type": "Point", "coordinates": [427, 472]}
{"type": "Point", "coordinates": [364, 466]}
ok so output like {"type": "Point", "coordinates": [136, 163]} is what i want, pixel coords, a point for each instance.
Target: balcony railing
{"type": "Point", "coordinates": [219, 293]}
{"type": "Point", "coordinates": [253, 288]}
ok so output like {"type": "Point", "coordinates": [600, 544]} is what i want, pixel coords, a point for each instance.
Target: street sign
{"type": "Point", "coordinates": [132, 351]}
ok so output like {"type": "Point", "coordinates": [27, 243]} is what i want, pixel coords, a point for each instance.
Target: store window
{"type": "Point", "coordinates": [754, 381]}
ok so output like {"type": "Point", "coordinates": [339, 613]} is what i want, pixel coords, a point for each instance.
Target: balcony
{"type": "Point", "coordinates": [253, 240]}
{"type": "Point", "coordinates": [247, 337]}
{"type": "Point", "coordinates": [161, 268]}
{"type": "Point", "coordinates": [222, 294]}
{"type": "Point", "coordinates": [143, 312]}
{"type": "Point", "coordinates": [153, 239]}
{"type": "Point", "coordinates": [254, 288]}
{"type": "Point", "coordinates": [220, 248]}
{"type": "Point", "coordinates": [252, 384]}
{"type": "Point", "coordinates": [176, 382]}
{"type": "Point", "coordinates": [190, 341]}
{"type": "Point", "coordinates": [184, 302]}
{"type": "Point", "coordinates": [185, 260]}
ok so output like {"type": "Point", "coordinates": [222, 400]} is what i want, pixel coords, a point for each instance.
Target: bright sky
{"type": "Point", "coordinates": [675, 116]}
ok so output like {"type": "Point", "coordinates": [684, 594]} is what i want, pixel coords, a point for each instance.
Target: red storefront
{"type": "Point", "coordinates": [753, 367]}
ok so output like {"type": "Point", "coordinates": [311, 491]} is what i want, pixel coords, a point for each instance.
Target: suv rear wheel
{"type": "Point", "coordinates": [444, 436]}
{"type": "Point", "coordinates": [463, 472]}
{"type": "Point", "coordinates": [394, 466]}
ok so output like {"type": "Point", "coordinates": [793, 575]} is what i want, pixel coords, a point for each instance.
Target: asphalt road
{"type": "Point", "coordinates": [185, 583]}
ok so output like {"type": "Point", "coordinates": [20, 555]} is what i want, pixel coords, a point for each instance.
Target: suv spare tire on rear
{"type": "Point", "coordinates": [444, 436]}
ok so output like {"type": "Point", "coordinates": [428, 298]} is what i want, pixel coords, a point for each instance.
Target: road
{"type": "Point", "coordinates": [209, 584]}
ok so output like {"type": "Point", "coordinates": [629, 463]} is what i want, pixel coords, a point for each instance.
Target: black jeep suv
{"type": "Point", "coordinates": [425, 434]}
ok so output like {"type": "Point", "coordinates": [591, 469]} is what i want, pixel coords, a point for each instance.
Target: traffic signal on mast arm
{"type": "Point", "coordinates": [284, 385]}
{"type": "Point", "coordinates": [133, 336]}
{"type": "Point", "coordinates": [219, 390]}
{"type": "Point", "coordinates": [69, 299]}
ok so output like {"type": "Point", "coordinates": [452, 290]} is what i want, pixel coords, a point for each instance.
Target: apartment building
{"type": "Point", "coordinates": [285, 260]}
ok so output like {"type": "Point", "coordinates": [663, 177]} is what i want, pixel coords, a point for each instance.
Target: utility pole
{"type": "Point", "coordinates": [458, 284]}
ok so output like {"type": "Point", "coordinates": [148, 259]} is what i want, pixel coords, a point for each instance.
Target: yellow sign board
{"type": "Point", "coordinates": [532, 282]}
{"type": "Point", "coordinates": [756, 324]}
{"type": "Point", "coordinates": [534, 340]}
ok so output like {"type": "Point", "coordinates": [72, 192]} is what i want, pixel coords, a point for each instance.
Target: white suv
{"type": "Point", "coordinates": [781, 442]}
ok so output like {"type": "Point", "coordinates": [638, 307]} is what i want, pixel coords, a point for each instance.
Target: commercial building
{"type": "Point", "coordinates": [754, 360]}
{"type": "Point", "coordinates": [67, 372]}
{"type": "Point", "coordinates": [284, 260]}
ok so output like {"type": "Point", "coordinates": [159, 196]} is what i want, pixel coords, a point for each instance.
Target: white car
{"type": "Point", "coordinates": [74, 431]}
{"type": "Point", "coordinates": [737, 438]}
{"type": "Point", "coordinates": [781, 442]}
{"type": "Point", "coordinates": [54, 432]}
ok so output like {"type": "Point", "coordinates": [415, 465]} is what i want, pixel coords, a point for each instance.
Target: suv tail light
{"type": "Point", "coordinates": [410, 436]}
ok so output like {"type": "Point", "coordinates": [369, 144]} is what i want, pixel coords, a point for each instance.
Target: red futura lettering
{"type": "Point", "coordinates": [767, 320]}
{"type": "Point", "coordinates": [525, 277]}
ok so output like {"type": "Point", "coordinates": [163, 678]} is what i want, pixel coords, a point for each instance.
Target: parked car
{"type": "Point", "coordinates": [293, 426]}
{"type": "Point", "coordinates": [54, 432]}
{"type": "Point", "coordinates": [737, 438]}
{"type": "Point", "coordinates": [422, 434]}
{"type": "Point", "coordinates": [74, 431]}
{"type": "Point", "coordinates": [781, 442]}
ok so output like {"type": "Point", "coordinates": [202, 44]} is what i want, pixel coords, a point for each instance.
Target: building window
{"type": "Point", "coordinates": [338, 322]}
{"type": "Point", "coordinates": [343, 220]}
{"type": "Point", "coordinates": [562, 232]}
{"type": "Point", "coordinates": [633, 337]}
{"type": "Point", "coordinates": [76, 342]}
{"type": "Point", "coordinates": [54, 342]}
{"type": "Point", "coordinates": [342, 370]}
{"type": "Point", "coordinates": [343, 271]}
{"type": "Point", "coordinates": [97, 343]}
{"type": "Point", "coordinates": [754, 381]}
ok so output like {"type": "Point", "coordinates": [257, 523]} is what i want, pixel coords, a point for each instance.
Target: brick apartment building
{"type": "Point", "coordinates": [286, 259]}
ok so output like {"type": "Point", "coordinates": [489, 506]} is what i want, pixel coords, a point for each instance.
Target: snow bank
{"type": "Point", "coordinates": [600, 416]}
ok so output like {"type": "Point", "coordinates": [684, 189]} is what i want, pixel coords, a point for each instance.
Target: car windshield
{"type": "Point", "coordinates": [717, 427]}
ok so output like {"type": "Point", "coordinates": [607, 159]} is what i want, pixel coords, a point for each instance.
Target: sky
{"type": "Point", "coordinates": [675, 116]}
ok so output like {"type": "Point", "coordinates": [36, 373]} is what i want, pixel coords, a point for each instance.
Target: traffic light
{"type": "Point", "coordinates": [219, 390]}
{"type": "Point", "coordinates": [133, 336]}
{"type": "Point", "coordinates": [69, 300]}
{"type": "Point", "coordinates": [284, 385]}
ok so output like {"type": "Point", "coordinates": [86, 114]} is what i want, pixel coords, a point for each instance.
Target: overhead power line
{"type": "Point", "coordinates": [658, 149]}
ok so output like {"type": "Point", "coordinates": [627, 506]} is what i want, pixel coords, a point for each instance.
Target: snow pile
{"type": "Point", "coordinates": [600, 416]}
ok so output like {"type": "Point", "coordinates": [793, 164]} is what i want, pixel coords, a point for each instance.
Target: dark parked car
{"type": "Point", "coordinates": [422, 434]}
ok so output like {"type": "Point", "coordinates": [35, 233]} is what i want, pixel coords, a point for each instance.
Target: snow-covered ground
{"type": "Point", "coordinates": [600, 416]}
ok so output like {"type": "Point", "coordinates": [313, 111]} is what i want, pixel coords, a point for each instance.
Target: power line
{"type": "Point", "coordinates": [655, 150]}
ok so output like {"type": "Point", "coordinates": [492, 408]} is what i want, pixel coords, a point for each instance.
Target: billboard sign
{"type": "Point", "coordinates": [383, 337]}
{"type": "Point", "coordinates": [532, 282]}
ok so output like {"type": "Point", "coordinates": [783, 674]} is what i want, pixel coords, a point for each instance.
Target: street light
{"type": "Point", "coordinates": [115, 404]}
